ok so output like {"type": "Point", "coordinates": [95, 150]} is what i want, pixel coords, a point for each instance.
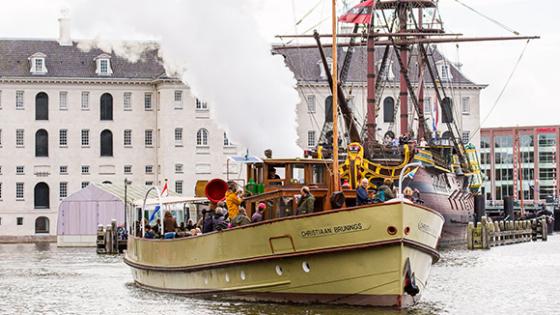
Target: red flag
{"type": "Point", "coordinates": [360, 14]}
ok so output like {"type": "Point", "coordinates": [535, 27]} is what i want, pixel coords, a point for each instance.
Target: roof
{"type": "Point", "coordinates": [305, 64]}
{"type": "Point", "coordinates": [112, 192]}
{"type": "Point", "coordinates": [169, 200]}
{"type": "Point", "coordinates": [73, 62]}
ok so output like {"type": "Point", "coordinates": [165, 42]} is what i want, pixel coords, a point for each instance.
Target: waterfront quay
{"type": "Point", "coordinates": [44, 279]}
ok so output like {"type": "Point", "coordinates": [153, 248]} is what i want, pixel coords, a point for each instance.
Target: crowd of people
{"type": "Point", "coordinates": [219, 216]}
{"type": "Point", "coordinates": [384, 192]}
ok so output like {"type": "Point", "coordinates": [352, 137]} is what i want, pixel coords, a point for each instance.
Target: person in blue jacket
{"type": "Point", "coordinates": [362, 196]}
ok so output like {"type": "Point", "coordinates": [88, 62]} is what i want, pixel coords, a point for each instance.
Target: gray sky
{"type": "Point", "coordinates": [529, 99]}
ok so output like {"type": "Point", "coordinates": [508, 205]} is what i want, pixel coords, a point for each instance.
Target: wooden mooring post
{"type": "Point", "coordinates": [108, 241]}
{"type": "Point", "coordinates": [486, 233]}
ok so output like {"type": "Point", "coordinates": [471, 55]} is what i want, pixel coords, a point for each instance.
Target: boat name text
{"type": "Point", "coordinates": [332, 230]}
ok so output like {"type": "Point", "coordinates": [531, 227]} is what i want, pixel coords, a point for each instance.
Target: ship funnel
{"type": "Point", "coordinates": [215, 190]}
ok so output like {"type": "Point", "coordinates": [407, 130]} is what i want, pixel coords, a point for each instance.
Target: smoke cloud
{"type": "Point", "coordinates": [216, 48]}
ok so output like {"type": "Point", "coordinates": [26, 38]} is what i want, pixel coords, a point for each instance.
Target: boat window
{"type": "Point", "coordinates": [318, 174]}
{"type": "Point", "coordinates": [298, 174]}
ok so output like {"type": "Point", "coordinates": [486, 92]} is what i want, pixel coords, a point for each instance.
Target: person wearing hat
{"type": "Point", "coordinates": [306, 203]}
{"type": "Point", "coordinates": [258, 215]}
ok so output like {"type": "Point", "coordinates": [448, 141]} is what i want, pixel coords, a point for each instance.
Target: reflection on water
{"type": "Point", "coordinates": [41, 278]}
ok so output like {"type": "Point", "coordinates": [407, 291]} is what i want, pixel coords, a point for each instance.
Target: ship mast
{"type": "Point", "coordinates": [336, 180]}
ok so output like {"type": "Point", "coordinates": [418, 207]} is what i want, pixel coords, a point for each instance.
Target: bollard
{"type": "Point", "coordinates": [484, 233]}
{"type": "Point", "coordinates": [100, 243]}
{"type": "Point", "coordinates": [544, 229]}
{"type": "Point", "coordinates": [109, 239]}
{"type": "Point", "coordinates": [470, 230]}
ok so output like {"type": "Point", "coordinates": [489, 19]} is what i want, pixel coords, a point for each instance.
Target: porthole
{"type": "Point", "coordinates": [279, 270]}
{"type": "Point", "coordinates": [407, 230]}
{"type": "Point", "coordinates": [305, 266]}
{"type": "Point", "coordinates": [242, 275]}
{"type": "Point", "coordinates": [227, 277]}
{"type": "Point", "coordinates": [391, 230]}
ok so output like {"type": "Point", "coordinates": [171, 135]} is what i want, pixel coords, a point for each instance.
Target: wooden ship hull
{"type": "Point", "coordinates": [367, 255]}
{"type": "Point", "coordinates": [444, 193]}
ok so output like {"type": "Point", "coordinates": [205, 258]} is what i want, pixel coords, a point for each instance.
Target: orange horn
{"type": "Point", "coordinates": [215, 190]}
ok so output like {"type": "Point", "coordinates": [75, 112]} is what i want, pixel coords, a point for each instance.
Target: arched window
{"type": "Point", "coordinates": [389, 110]}
{"type": "Point", "coordinates": [41, 196]}
{"type": "Point", "coordinates": [106, 107]}
{"type": "Point", "coordinates": [447, 108]}
{"type": "Point", "coordinates": [41, 143]}
{"type": "Point", "coordinates": [202, 137]}
{"type": "Point", "coordinates": [42, 106]}
{"type": "Point", "coordinates": [42, 225]}
{"type": "Point", "coordinates": [106, 143]}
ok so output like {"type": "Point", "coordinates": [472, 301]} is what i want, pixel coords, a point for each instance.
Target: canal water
{"type": "Point", "coordinates": [44, 279]}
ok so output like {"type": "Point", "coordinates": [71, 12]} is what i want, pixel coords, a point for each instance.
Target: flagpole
{"type": "Point", "coordinates": [336, 186]}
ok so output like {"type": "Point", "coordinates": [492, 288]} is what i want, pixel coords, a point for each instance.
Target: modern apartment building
{"type": "Point", "coordinates": [520, 159]}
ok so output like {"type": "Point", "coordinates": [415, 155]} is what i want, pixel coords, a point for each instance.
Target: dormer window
{"type": "Point", "coordinates": [37, 61]}
{"type": "Point", "coordinates": [444, 70]}
{"type": "Point", "coordinates": [103, 65]}
{"type": "Point", "coordinates": [322, 68]}
{"type": "Point", "coordinates": [388, 73]}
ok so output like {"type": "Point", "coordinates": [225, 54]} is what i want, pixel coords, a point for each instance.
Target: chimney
{"type": "Point", "coordinates": [64, 29]}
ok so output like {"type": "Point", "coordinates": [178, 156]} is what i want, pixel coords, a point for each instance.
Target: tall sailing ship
{"type": "Point", "coordinates": [404, 31]}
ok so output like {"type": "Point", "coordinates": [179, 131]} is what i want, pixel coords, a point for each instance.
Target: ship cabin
{"type": "Point", "coordinates": [277, 184]}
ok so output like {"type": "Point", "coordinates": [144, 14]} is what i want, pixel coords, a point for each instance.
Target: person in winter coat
{"type": "Point", "coordinates": [233, 200]}
{"type": "Point", "coordinates": [241, 218]}
{"type": "Point", "coordinates": [362, 197]}
{"type": "Point", "coordinates": [258, 215]}
{"type": "Point", "coordinates": [306, 203]}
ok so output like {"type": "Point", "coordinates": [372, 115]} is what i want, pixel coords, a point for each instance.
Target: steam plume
{"type": "Point", "coordinates": [216, 47]}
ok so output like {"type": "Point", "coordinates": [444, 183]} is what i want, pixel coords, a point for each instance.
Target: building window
{"type": "Point", "coordinates": [148, 101]}
{"type": "Point", "coordinates": [19, 221]}
{"type": "Point", "coordinates": [106, 143]}
{"type": "Point", "coordinates": [202, 137]}
{"type": "Point", "coordinates": [63, 137]}
{"type": "Point", "coordinates": [389, 110]}
{"type": "Point", "coordinates": [19, 191]}
{"type": "Point", "coordinates": [63, 100]}
{"type": "Point", "coordinates": [0, 192]}
{"type": "Point", "coordinates": [85, 169]}
{"type": "Point", "coordinates": [127, 101]}
{"type": "Point", "coordinates": [149, 169]}
{"type": "Point", "coordinates": [41, 143]}
{"type": "Point", "coordinates": [128, 169]}
{"type": "Point", "coordinates": [106, 107]}
{"type": "Point", "coordinates": [19, 137]}
{"type": "Point", "coordinates": [103, 66]}
{"type": "Point", "coordinates": [127, 137]}
{"type": "Point", "coordinates": [63, 190]}
{"type": "Point", "coordinates": [37, 61]}
{"type": "Point", "coordinates": [311, 138]}
{"type": "Point", "coordinates": [85, 100]}
{"type": "Point", "coordinates": [42, 106]}
{"type": "Point", "coordinates": [226, 141]}
{"type": "Point", "coordinates": [465, 104]}
{"type": "Point", "coordinates": [85, 137]}
{"type": "Point", "coordinates": [63, 170]}
{"type": "Point", "coordinates": [42, 225]}
{"type": "Point", "coordinates": [444, 70]}
{"type": "Point", "coordinates": [20, 170]}
{"type": "Point", "coordinates": [19, 99]}
{"type": "Point", "coordinates": [41, 194]}
{"type": "Point", "coordinates": [311, 106]}
{"type": "Point", "coordinates": [149, 138]}
{"type": "Point", "coordinates": [178, 168]}
{"type": "Point", "coordinates": [547, 140]}
{"type": "Point", "coordinates": [85, 184]}
{"type": "Point", "coordinates": [466, 136]}
{"type": "Point", "coordinates": [149, 183]}
{"type": "Point", "coordinates": [178, 99]}
{"type": "Point", "coordinates": [201, 105]}
{"type": "Point", "coordinates": [427, 105]}
{"type": "Point", "coordinates": [179, 186]}
{"type": "Point", "coordinates": [178, 137]}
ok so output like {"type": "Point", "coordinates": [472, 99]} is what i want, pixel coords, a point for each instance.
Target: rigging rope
{"type": "Point", "coordinates": [489, 18]}
{"type": "Point", "coordinates": [503, 88]}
